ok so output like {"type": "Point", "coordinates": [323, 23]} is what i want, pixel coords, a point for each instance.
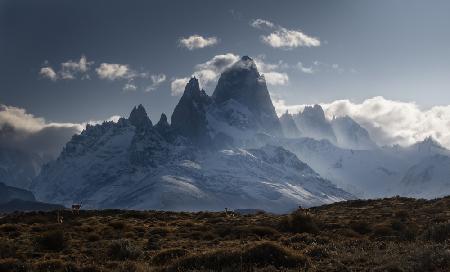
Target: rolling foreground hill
{"type": "Point", "coordinates": [393, 234]}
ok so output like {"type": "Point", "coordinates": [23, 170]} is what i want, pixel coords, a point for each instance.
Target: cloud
{"type": "Point", "coordinates": [387, 121]}
{"type": "Point", "coordinates": [48, 72]}
{"type": "Point", "coordinates": [156, 81]}
{"type": "Point", "coordinates": [21, 130]}
{"type": "Point", "coordinates": [113, 71]}
{"type": "Point", "coordinates": [288, 39]}
{"type": "Point", "coordinates": [304, 69]}
{"type": "Point", "coordinates": [177, 85]}
{"type": "Point", "coordinates": [70, 69]}
{"type": "Point", "coordinates": [209, 72]}
{"type": "Point", "coordinates": [284, 38]}
{"type": "Point", "coordinates": [275, 78]}
{"type": "Point", "coordinates": [129, 87]}
{"type": "Point", "coordinates": [260, 23]}
{"type": "Point", "coordinates": [197, 41]}
{"type": "Point", "coordinates": [269, 70]}
{"type": "Point", "coordinates": [28, 133]}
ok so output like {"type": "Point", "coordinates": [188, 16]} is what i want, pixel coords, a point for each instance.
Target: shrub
{"type": "Point", "coordinates": [153, 243]}
{"type": "Point", "coordinates": [121, 250]}
{"type": "Point", "coordinates": [11, 265]}
{"type": "Point", "coordinates": [438, 232]}
{"type": "Point", "coordinates": [118, 225]}
{"type": "Point", "coordinates": [52, 240]}
{"type": "Point", "coordinates": [9, 228]}
{"type": "Point", "coordinates": [382, 230]}
{"type": "Point", "coordinates": [298, 222]}
{"type": "Point", "coordinates": [431, 259]}
{"type": "Point", "coordinates": [361, 227]}
{"type": "Point", "coordinates": [161, 231]}
{"type": "Point", "coordinates": [93, 237]}
{"type": "Point", "coordinates": [7, 249]}
{"type": "Point", "coordinates": [50, 265]}
{"type": "Point", "coordinates": [164, 256]}
{"type": "Point", "coordinates": [262, 254]}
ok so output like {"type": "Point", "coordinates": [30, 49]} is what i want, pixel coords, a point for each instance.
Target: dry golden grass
{"type": "Point", "coordinates": [394, 234]}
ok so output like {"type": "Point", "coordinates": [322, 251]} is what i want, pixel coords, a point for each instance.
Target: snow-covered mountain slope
{"type": "Point", "coordinates": [116, 166]}
{"type": "Point", "coordinates": [18, 168]}
{"type": "Point", "coordinates": [364, 173]}
{"type": "Point", "coordinates": [351, 135]}
{"type": "Point", "coordinates": [430, 178]}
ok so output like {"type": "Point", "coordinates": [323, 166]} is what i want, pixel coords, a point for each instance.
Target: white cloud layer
{"type": "Point", "coordinates": [284, 38]}
{"type": "Point", "coordinates": [29, 133]}
{"type": "Point", "coordinates": [197, 41]}
{"type": "Point", "coordinates": [387, 121]}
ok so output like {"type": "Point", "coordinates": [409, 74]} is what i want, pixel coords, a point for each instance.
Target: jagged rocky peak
{"type": "Point", "coordinates": [288, 125]}
{"type": "Point", "coordinates": [314, 112]}
{"type": "Point", "coordinates": [162, 121]}
{"type": "Point", "coordinates": [243, 83]}
{"type": "Point", "coordinates": [189, 115]}
{"type": "Point", "coordinates": [139, 118]}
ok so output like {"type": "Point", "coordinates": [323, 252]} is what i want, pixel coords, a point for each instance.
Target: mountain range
{"type": "Point", "coordinates": [230, 150]}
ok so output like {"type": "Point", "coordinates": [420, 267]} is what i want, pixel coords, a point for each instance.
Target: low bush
{"type": "Point", "coordinates": [437, 233]}
{"type": "Point", "coordinates": [262, 254]}
{"type": "Point", "coordinates": [167, 255]}
{"type": "Point", "coordinates": [121, 250]}
{"type": "Point", "coordinates": [7, 249]}
{"type": "Point", "coordinates": [298, 222]}
{"type": "Point", "coordinates": [12, 265]}
{"type": "Point", "coordinates": [361, 227]}
{"type": "Point", "coordinates": [54, 240]}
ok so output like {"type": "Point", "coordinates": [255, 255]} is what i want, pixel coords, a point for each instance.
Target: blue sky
{"type": "Point", "coordinates": [108, 56]}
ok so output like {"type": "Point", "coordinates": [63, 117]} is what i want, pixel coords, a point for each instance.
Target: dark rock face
{"type": "Point", "coordinates": [164, 129]}
{"type": "Point", "coordinates": [139, 118]}
{"type": "Point", "coordinates": [288, 125]}
{"type": "Point", "coordinates": [189, 116]}
{"type": "Point", "coordinates": [312, 123]}
{"type": "Point", "coordinates": [243, 83]}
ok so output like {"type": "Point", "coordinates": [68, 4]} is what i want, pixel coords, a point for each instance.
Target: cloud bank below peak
{"type": "Point", "coordinates": [387, 121]}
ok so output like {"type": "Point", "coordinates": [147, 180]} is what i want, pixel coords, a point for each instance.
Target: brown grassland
{"type": "Point", "coordinates": [392, 234]}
